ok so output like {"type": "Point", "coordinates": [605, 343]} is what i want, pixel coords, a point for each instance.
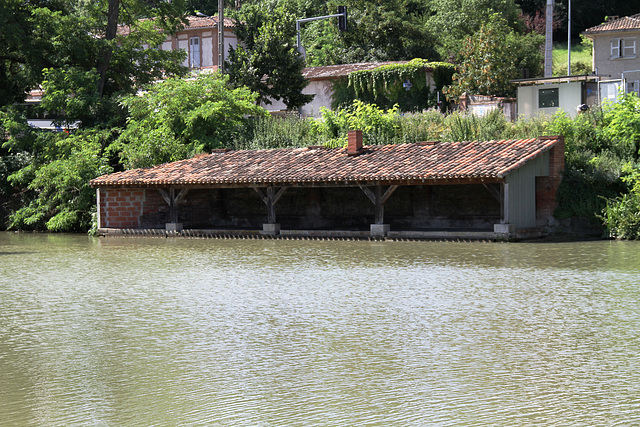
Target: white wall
{"type": "Point", "coordinates": [322, 89]}
{"type": "Point", "coordinates": [569, 97]}
{"type": "Point", "coordinates": [183, 43]}
{"type": "Point", "coordinates": [207, 49]}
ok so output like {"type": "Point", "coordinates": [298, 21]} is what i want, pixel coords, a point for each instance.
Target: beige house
{"type": "Point", "coordinates": [615, 51]}
{"type": "Point", "coordinates": [200, 40]}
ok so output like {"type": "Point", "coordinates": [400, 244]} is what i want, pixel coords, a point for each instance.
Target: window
{"type": "Point", "coordinates": [623, 48]}
{"type": "Point", "coordinates": [615, 48]}
{"type": "Point", "coordinates": [628, 48]}
{"type": "Point", "coordinates": [194, 52]}
{"type": "Point", "coordinates": [633, 86]}
{"type": "Point", "coordinates": [548, 98]}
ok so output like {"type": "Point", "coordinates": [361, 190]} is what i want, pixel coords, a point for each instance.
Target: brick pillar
{"type": "Point", "coordinates": [547, 186]}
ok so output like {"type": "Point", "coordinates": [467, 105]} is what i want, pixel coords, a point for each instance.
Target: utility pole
{"type": "Point", "coordinates": [548, 42]}
{"type": "Point", "coordinates": [221, 35]}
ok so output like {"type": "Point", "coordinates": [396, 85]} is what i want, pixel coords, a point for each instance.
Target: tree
{"type": "Point", "coordinates": [54, 181]}
{"type": "Point", "coordinates": [180, 118]}
{"type": "Point", "coordinates": [266, 59]}
{"type": "Point", "coordinates": [72, 50]}
{"type": "Point", "coordinates": [454, 20]}
{"type": "Point", "coordinates": [376, 31]}
{"type": "Point", "coordinates": [35, 35]}
{"type": "Point", "coordinates": [622, 123]}
{"type": "Point", "coordinates": [492, 57]}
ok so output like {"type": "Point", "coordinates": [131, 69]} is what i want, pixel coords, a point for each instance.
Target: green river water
{"type": "Point", "coordinates": [167, 332]}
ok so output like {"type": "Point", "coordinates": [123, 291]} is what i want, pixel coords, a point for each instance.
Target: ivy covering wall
{"type": "Point", "coordinates": [407, 85]}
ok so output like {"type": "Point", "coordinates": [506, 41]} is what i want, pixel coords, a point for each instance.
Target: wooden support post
{"type": "Point", "coordinates": [173, 200]}
{"type": "Point", "coordinates": [378, 198]}
{"type": "Point", "coordinates": [270, 199]}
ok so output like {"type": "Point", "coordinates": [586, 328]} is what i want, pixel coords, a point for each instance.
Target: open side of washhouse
{"type": "Point", "coordinates": [486, 190]}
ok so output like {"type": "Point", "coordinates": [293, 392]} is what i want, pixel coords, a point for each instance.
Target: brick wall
{"type": "Point", "coordinates": [120, 207]}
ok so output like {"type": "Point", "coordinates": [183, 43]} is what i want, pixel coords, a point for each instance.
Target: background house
{"type": "Point", "coordinates": [615, 50]}
{"type": "Point", "coordinates": [616, 65]}
{"type": "Point", "coordinates": [321, 81]}
{"type": "Point", "coordinates": [200, 40]}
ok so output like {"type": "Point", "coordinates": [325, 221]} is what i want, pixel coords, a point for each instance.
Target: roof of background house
{"type": "Point", "coordinates": [212, 21]}
{"type": "Point", "coordinates": [417, 162]}
{"type": "Point", "coordinates": [195, 22]}
{"type": "Point", "coordinates": [333, 71]}
{"type": "Point", "coordinates": [621, 24]}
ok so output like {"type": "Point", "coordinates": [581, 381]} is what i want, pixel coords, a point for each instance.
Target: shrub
{"type": "Point", "coordinates": [378, 126]}
{"type": "Point", "coordinates": [621, 214]}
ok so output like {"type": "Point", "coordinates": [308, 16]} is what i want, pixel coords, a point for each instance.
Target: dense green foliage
{"type": "Point", "coordinates": [266, 59]}
{"type": "Point", "coordinates": [179, 118]}
{"type": "Point", "coordinates": [455, 20]}
{"type": "Point", "coordinates": [622, 214]}
{"type": "Point", "coordinates": [385, 86]}
{"type": "Point", "coordinates": [73, 51]}
{"type": "Point", "coordinates": [492, 57]}
{"type": "Point", "coordinates": [54, 174]}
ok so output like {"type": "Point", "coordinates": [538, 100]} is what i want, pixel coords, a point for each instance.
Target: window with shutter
{"type": "Point", "coordinates": [194, 52]}
{"type": "Point", "coordinates": [615, 48]}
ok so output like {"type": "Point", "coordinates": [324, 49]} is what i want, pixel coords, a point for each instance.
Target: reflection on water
{"type": "Point", "coordinates": [144, 331]}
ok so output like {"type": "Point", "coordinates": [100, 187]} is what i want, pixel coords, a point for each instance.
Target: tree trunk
{"type": "Point", "coordinates": [110, 34]}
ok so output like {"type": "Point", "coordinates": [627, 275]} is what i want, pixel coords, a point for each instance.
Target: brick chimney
{"type": "Point", "coordinates": [354, 145]}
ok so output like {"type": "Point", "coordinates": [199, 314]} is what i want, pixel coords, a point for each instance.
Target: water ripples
{"type": "Point", "coordinates": [263, 333]}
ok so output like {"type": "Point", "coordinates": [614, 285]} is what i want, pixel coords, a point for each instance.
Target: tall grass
{"type": "Point", "coordinates": [581, 62]}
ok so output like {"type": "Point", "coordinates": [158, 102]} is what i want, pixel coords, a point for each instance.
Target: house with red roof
{"type": "Point", "coordinates": [615, 50]}
{"type": "Point", "coordinates": [472, 189]}
{"type": "Point", "coordinates": [199, 39]}
{"type": "Point", "coordinates": [616, 65]}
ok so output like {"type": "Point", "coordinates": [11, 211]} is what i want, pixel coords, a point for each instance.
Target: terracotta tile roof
{"type": "Point", "coordinates": [204, 22]}
{"type": "Point", "coordinates": [333, 71]}
{"type": "Point", "coordinates": [406, 162]}
{"type": "Point", "coordinates": [195, 22]}
{"type": "Point", "coordinates": [622, 24]}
